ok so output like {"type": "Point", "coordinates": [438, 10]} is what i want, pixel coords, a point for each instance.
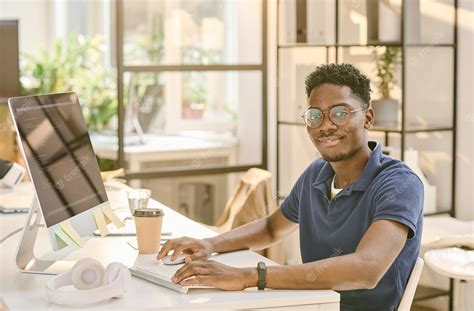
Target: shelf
{"type": "Point", "coordinates": [411, 129]}
{"type": "Point", "coordinates": [425, 293]}
{"type": "Point", "coordinates": [155, 67]}
{"type": "Point", "coordinates": [283, 197]}
{"type": "Point", "coordinates": [422, 45]}
{"type": "Point", "coordinates": [438, 213]}
{"type": "Point", "coordinates": [315, 45]}
{"type": "Point", "coordinates": [405, 131]}
{"type": "Point", "coordinates": [171, 172]}
{"type": "Point", "coordinates": [294, 123]}
{"type": "Point", "coordinates": [335, 51]}
{"type": "Point", "coordinates": [408, 130]}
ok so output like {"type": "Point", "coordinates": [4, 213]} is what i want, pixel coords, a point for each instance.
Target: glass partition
{"type": "Point", "coordinates": [193, 32]}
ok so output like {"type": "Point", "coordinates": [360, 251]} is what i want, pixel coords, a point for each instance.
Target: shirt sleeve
{"type": "Point", "coordinates": [400, 198]}
{"type": "Point", "coordinates": [291, 205]}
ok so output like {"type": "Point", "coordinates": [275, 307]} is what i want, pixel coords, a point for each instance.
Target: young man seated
{"type": "Point", "coordinates": [359, 212]}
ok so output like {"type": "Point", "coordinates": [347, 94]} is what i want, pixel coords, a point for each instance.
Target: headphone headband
{"type": "Point", "coordinates": [113, 282]}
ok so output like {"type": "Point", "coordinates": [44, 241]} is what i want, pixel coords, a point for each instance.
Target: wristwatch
{"type": "Point", "coordinates": [262, 275]}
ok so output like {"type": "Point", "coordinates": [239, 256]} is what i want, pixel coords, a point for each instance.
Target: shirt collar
{"type": "Point", "coordinates": [370, 170]}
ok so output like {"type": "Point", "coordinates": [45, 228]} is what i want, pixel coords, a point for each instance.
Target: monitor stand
{"type": "Point", "coordinates": [26, 260]}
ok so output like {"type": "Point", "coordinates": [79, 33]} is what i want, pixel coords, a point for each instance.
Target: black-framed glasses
{"type": "Point", "coordinates": [339, 115]}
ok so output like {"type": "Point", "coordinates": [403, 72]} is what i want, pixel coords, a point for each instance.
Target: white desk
{"type": "Point", "coordinates": [27, 291]}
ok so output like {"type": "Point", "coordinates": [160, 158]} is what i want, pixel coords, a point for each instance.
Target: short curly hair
{"type": "Point", "coordinates": [340, 74]}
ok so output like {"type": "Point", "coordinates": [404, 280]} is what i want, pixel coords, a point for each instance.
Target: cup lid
{"type": "Point", "coordinates": [148, 212]}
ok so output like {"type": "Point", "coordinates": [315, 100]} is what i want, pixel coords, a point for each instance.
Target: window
{"type": "Point", "coordinates": [194, 69]}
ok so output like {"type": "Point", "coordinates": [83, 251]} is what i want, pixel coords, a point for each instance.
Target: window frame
{"type": "Point", "coordinates": [123, 68]}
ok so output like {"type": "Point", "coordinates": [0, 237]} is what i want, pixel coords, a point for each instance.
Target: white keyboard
{"type": "Point", "coordinates": [161, 274]}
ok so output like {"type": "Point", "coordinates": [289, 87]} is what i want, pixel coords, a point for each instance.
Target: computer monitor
{"type": "Point", "coordinates": [60, 159]}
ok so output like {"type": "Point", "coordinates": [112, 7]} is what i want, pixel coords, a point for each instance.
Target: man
{"type": "Point", "coordinates": [359, 212]}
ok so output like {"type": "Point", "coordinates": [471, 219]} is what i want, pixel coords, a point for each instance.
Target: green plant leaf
{"type": "Point", "coordinates": [76, 65]}
{"type": "Point", "coordinates": [386, 65]}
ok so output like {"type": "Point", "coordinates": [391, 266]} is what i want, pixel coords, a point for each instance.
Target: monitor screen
{"type": "Point", "coordinates": [59, 155]}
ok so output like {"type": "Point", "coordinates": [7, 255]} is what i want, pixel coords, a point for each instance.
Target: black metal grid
{"type": "Point", "coordinates": [123, 68]}
{"type": "Point", "coordinates": [404, 129]}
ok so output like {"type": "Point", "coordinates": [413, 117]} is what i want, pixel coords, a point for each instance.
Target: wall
{"type": "Point", "coordinates": [271, 85]}
{"type": "Point", "coordinates": [35, 21]}
{"type": "Point", "coordinates": [30, 35]}
{"type": "Point", "coordinates": [465, 113]}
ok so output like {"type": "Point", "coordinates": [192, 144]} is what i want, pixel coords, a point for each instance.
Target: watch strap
{"type": "Point", "coordinates": [262, 275]}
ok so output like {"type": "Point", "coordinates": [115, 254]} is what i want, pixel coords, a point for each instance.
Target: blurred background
{"type": "Point", "coordinates": [187, 95]}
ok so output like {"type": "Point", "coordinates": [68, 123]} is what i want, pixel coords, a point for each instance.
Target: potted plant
{"type": "Point", "coordinates": [74, 64]}
{"type": "Point", "coordinates": [387, 64]}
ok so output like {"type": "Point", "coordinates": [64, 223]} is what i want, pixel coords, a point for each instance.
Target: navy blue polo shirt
{"type": "Point", "coordinates": [387, 189]}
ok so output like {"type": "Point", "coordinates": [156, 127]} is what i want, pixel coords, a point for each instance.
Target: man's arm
{"type": "Point", "coordinates": [362, 269]}
{"type": "Point", "coordinates": [256, 235]}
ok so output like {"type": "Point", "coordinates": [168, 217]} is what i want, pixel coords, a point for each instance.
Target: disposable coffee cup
{"type": "Point", "coordinates": [148, 223]}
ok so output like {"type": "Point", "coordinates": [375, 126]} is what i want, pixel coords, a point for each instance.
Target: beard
{"type": "Point", "coordinates": [339, 156]}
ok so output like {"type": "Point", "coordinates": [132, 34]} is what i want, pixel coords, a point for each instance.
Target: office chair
{"type": "Point", "coordinates": [409, 294]}
{"type": "Point", "coordinates": [251, 199]}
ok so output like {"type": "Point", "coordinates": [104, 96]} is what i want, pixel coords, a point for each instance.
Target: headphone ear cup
{"type": "Point", "coordinates": [87, 273]}
{"type": "Point", "coordinates": [112, 272]}
{"type": "Point", "coordinates": [119, 274]}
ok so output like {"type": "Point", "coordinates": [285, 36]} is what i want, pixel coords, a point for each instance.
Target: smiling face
{"type": "Point", "coordinates": [336, 143]}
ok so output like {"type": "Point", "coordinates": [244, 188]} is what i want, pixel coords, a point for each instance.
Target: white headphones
{"type": "Point", "coordinates": [93, 281]}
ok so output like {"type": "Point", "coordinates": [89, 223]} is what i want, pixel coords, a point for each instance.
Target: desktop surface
{"type": "Point", "coordinates": [17, 199]}
{"type": "Point", "coordinates": [15, 286]}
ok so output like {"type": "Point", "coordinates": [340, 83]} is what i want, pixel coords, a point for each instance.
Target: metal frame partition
{"type": "Point", "coordinates": [403, 130]}
{"type": "Point", "coordinates": [157, 68]}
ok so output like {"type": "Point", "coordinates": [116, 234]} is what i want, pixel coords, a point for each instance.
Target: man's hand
{"type": "Point", "coordinates": [216, 274]}
{"type": "Point", "coordinates": [197, 249]}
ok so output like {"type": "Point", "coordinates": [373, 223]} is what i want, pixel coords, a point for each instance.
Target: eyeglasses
{"type": "Point", "coordinates": [339, 115]}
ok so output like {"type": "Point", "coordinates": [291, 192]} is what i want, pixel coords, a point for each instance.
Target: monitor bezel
{"type": "Point", "coordinates": [84, 222]}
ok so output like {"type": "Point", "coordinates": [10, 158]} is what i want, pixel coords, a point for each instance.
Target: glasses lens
{"type": "Point", "coordinates": [339, 115]}
{"type": "Point", "coordinates": [313, 117]}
